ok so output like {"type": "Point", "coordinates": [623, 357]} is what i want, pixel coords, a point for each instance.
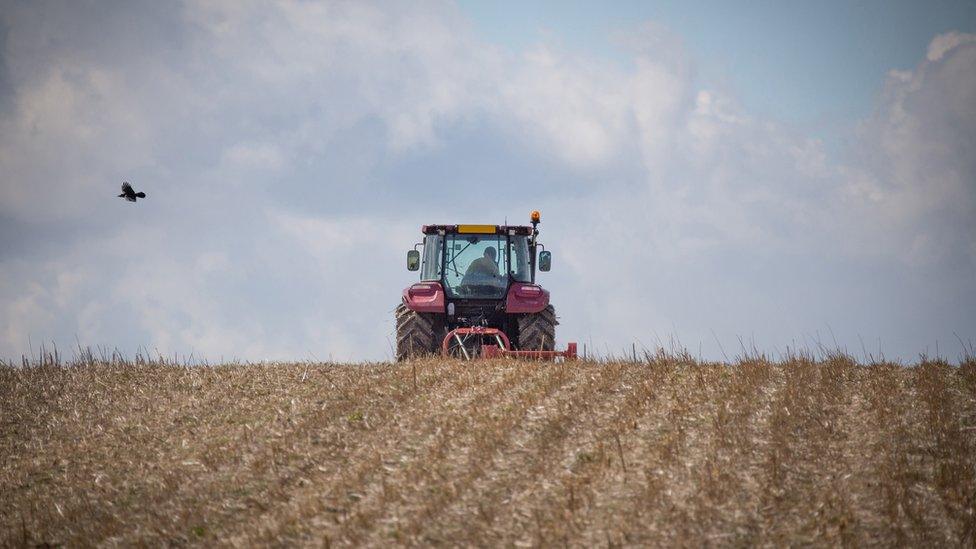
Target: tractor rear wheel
{"type": "Point", "coordinates": [537, 331]}
{"type": "Point", "coordinates": [416, 334]}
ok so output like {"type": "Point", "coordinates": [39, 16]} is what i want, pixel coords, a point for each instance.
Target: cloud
{"type": "Point", "coordinates": [566, 107]}
{"type": "Point", "coordinates": [915, 172]}
{"type": "Point", "coordinates": [947, 42]}
{"type": "Point", "coordinates": [290, 152]}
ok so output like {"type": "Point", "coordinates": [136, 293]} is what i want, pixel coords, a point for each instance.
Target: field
{"type": "Point", "coordinates": [665, 451]}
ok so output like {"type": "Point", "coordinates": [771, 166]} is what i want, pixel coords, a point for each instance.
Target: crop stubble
{"type": "Point", "coordinates": [664, 451]}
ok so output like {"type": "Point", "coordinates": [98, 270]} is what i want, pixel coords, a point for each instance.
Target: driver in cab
{"type": "Point", "coordinates": [485, 265]}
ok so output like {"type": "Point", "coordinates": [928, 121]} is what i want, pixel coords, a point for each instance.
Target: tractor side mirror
{"type": "Point", "coordinates": [413, 260]}
{"type": "Point", "coordinates": [545, 260]}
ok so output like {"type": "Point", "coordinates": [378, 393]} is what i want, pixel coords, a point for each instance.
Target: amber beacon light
{"type": "Point", "coordinates": [535, 216]}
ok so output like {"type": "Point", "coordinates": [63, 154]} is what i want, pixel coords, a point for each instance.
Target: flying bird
{"type": "Point", "coordinates": [129, 194]}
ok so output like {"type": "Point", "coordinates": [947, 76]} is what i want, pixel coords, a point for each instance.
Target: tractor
{"type": "Point", "coordinates": [477, 295]}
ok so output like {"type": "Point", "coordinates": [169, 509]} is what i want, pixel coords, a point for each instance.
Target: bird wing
{"type": "Point", "coordinates": [126, 188]}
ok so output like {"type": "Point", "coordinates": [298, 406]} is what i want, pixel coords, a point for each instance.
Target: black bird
{"type": "Point", "coordinates": [129, 194]}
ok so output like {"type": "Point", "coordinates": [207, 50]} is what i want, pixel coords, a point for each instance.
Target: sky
{"type": "Point", "coordinates": [722, 177]}
{"type": "Point", "coordinates": [817, 65]}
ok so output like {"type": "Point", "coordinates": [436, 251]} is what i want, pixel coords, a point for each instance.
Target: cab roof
{"type": "Point", "coordinates": [477, 229]}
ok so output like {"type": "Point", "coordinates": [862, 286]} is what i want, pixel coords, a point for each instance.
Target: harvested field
{"type": "Point", "coordinates": [661, 452]}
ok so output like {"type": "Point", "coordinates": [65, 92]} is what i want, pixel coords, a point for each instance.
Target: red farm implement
{"type": "Point", "coordinates": [478, 341]}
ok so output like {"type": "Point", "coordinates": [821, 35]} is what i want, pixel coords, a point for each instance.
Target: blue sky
{"type": "Point", "coordinates": [819, 65]}
{"type": "Point", "coordinates": [782, 174]}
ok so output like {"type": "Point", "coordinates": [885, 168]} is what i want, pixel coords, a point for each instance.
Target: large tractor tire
{"type": "Point", "coordinates": [537, 331]}
{"type": "Point", "coordinates": [416, 334]}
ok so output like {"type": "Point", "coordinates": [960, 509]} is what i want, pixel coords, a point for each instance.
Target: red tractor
{"type": "Point", "coordinates": [477, 294]}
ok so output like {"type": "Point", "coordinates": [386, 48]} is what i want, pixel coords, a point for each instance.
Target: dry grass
{"type": "Point", "coordinates": [663, 452]}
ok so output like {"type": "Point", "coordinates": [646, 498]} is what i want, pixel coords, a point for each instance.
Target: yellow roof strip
{"type": "Point", "coordinates": [490, 229]}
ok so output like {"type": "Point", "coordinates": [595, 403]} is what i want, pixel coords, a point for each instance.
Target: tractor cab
{"type": "Point", "coordinates": [476, 261]}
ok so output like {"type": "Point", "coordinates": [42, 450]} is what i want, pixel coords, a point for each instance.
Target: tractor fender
{"type": "Point", "coordinates": [424, 297]}
{"type": "Point", "coordinates": [526, 298]}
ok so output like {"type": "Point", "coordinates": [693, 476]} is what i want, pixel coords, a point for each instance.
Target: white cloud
{"type": "Point", "coordinates": [571, 108]}
{"type": "Point", "coordinates": [946, 42]}
{"type": "Point", "coordinates": [250, 156]}
{"type": "Point", "coordinates": [917, 169]}
{"type": "Point", "coordinates": [290, 151]}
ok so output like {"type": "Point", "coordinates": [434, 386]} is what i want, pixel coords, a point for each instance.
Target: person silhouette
{"type": "Point", "coordinates": [484, 265]}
